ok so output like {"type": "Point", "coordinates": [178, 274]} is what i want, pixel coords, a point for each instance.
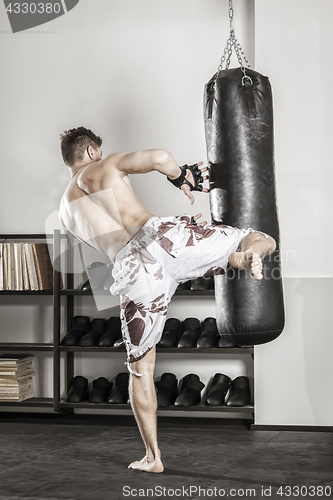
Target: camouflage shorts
{"type": "Point", "coordinates": [166, 251]}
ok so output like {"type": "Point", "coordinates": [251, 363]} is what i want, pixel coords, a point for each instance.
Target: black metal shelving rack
{"type": "Point", "coordinates": [26, 347]}
{"type": "Point", "coordinates": [69, 293]}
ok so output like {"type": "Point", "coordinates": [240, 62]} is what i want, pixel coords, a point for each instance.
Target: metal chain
{"type": "Point", "coordinates": [233, 43]}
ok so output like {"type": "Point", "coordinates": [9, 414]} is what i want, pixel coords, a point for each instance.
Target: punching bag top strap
{"type": "Point", "coordinates": [251, 103]}
{"type": "Point", "coordinates": [180, 181]}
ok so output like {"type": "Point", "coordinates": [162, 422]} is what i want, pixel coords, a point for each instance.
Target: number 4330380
{"type": "Point", "coordinates": [34, 8]}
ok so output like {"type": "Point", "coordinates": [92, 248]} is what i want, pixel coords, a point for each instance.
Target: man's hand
{"type": "Point", "coordinates": [196, 217]}
{"type": "Point", "coordinates": [186, 188]}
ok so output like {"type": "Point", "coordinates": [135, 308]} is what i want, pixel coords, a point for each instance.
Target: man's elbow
{"type": "Point", "coordinates": [161, 158]}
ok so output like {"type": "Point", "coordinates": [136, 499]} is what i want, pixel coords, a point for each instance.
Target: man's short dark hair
{"type": "Point", "coordinates": [74, 143]}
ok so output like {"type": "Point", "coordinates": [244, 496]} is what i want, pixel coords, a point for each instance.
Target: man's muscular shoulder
{"type": "Point", "coordinates": [98, 175]}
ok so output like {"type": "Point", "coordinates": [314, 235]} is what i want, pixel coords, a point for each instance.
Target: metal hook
{"type": "Point", "coordinates": [247, 80]}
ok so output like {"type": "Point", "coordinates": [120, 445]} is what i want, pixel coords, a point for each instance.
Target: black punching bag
{"type": "Point", "coordinates": [239, 135]}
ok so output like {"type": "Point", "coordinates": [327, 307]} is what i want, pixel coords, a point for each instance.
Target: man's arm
{"type": "Point", "coordinates": [141, 162]}
{"type": "Point", "coordinates": [100, 174]}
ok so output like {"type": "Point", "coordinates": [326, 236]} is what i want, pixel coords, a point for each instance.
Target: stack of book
{"type": "Point", "coordinates": [16, 378]}
{"type": "Point", "coordinates": [25, 266]}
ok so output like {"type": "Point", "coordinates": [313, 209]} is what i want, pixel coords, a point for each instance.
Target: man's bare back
{"type": "Point", "coordinates": [100, 208]}
{"type": "Point", "coordinates": [99, 205]}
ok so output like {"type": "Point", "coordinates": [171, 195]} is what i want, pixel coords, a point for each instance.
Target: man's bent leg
{"type": "Point", "coordinates": [254, 247]}
{"type": "Point", "coordinates": [144, 405]}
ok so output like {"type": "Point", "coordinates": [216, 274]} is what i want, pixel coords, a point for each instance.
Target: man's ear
{"type": "Point", "coordinates": [91, 152]}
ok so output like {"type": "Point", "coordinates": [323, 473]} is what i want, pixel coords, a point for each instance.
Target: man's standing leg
{"type": "Point", "coordinates": [144, 405]}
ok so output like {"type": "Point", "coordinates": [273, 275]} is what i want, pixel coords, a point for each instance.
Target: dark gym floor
{"type": "Point", "coordinates": [87, 460]}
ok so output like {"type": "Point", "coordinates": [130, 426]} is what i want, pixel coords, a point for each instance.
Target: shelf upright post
{"type": "Point", "coordinates": [56, 318]}
{"type": "Point", "coordinates": [69, 305]}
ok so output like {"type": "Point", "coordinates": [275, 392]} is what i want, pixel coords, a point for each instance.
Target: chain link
{"type": "Point", "coordinates": [231, 16]}
{"type": "Point", "coordinates": [233, 43]}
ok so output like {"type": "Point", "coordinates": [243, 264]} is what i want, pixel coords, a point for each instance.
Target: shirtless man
{"type": "Point", "coordinates": [151, 255]}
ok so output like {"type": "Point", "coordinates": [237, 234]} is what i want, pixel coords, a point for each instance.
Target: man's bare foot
{"type": "Point", "coordinates": [248, 260]}
{"type": "Point", "coordinates": [147, 466]}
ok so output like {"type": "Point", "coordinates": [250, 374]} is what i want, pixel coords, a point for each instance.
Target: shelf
{"type": "Point", "coordinates": [202, 407]}
{"type": "Point", "coordinates": [67, 291]}
{"type": "Point", "coordinates": [32, 402]}
{"type": "Point", "coordinates": [100, 406]}
{"type": "Point", "coordinates": [208, 350]}
{"type": "Point", "coordinates": [195, 292]}
{"type": "Point", "coordinates": [26, 292]}
{"type": "Point", "coordinates": [178, 350]}
{"type": "Point", "coordinates": [199, 407]}
{"type": "Point", "coordinates": [25, 346]}
{"type": "Point", "coordinates": [27, 236]}
{"type": "Point", "coordinates": [77, 348]}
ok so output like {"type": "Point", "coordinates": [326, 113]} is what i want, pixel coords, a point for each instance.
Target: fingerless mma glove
{"type": "Point", "coordinates": [180, 181]}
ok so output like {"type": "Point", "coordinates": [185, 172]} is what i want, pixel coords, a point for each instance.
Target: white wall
{"type": "Point", "coordinates": [133, 71]}
{"type": "Point", "coordinates": [293, 374]}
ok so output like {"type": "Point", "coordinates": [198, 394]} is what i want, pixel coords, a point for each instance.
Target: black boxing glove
{"type": "Point", "coordinates": [197, 176]}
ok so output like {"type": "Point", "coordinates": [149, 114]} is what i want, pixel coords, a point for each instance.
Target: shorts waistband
{"type": "Point", "coordinates": [123, 250]}
{"type": "Point", "coordinates": [150, 229]}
